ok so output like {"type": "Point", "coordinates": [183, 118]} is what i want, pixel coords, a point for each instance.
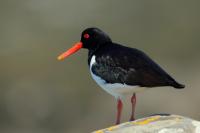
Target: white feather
{"type": "Point", "coordinates": [117, 90]}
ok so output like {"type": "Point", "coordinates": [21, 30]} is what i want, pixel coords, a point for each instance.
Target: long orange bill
{"type": "Point", "coordinates": [72, 50]}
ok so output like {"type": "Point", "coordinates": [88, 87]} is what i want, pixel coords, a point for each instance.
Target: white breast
{"type": "Point", "coordinates": [115, 89]}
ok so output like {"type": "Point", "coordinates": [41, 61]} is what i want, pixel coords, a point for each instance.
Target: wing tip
{"type": "Point", "coordinates": [178, 86]}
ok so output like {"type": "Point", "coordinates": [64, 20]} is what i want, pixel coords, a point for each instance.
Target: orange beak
{"type": "Point", "coordinates": [70, 51]}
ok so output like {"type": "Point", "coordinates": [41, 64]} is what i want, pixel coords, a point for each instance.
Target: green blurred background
{"type": "Point", "coordinates": [39, 94]}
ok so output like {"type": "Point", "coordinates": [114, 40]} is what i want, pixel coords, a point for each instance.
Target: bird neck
{"type": "Point", "coordinates": [92, 52]}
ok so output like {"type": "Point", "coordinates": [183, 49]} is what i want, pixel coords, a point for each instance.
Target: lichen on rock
{"type": "Point", "coordinates": [156, 124]}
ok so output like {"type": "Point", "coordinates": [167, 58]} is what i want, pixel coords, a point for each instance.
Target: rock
{"type": "Point", "coordinates": [156, 124]}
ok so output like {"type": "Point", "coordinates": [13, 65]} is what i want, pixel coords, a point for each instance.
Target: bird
{"type": "Point", "coordinates": [118, 69]}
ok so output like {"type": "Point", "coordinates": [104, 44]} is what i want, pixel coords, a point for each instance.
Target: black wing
{"type": "Point", "coordinates": [119, 64]}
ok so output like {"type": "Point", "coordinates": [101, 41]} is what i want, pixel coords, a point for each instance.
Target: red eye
{"type": "Point", "coordinates": [86, 36]}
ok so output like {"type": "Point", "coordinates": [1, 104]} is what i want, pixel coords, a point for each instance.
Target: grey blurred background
{"type": "Point", "coordinates": [39, 94]}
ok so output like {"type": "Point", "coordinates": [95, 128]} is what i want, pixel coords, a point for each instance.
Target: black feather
{"type": "Point", "coordinates": [119, 64]}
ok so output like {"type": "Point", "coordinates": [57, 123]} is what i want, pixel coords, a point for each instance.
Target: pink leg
{"type": "Point", "coordinates": [133, 101]}
{"type": "Point", "coordinates": [119, 110]}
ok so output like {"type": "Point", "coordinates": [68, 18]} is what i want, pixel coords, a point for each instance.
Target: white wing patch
{"type": "Point", "coordinates": [117, 90]}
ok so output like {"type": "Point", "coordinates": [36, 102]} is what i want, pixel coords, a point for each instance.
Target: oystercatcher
{"type": "Point", "coordinates": [118, 69]}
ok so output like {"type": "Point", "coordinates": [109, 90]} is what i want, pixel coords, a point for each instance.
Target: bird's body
{"type": "Point", "coordinates": [121, 70]}
{"type": "Point", "coordinates": [118, 69]}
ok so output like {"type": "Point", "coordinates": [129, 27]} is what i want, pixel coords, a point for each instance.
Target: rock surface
{"type": "Point", "coordinates": [156, 124]}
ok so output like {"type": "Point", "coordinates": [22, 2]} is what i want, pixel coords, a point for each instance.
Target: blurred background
{"type": "Point", "coordinates": [39, 94]}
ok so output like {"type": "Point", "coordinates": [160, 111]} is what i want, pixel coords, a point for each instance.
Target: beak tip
{"type": "Point", "coordinates": [59, 58]}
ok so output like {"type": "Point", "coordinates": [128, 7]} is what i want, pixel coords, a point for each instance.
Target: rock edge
{"type": "Point", "coordinates": [156, 124]}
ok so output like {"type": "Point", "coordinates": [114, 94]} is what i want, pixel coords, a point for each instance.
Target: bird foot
{"type": "Point", "coordinates": [132, 118]}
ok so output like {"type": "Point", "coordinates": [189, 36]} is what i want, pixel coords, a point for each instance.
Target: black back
{"type": "Point", "coordinates": [119, 64]}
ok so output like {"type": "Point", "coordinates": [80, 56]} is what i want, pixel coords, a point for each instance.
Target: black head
{"type": "Point", "coordinates": [93, 38]}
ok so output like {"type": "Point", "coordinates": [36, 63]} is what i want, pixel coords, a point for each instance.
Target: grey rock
{"type": "Point", "coordinates": [156, 124]}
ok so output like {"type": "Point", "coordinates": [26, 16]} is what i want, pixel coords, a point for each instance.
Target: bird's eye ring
{"type": "Point", "coordinates": [86, 36]}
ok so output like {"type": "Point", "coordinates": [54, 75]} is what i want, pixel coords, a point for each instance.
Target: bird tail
{"type": "Point", "coordinates": [177, 85]}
